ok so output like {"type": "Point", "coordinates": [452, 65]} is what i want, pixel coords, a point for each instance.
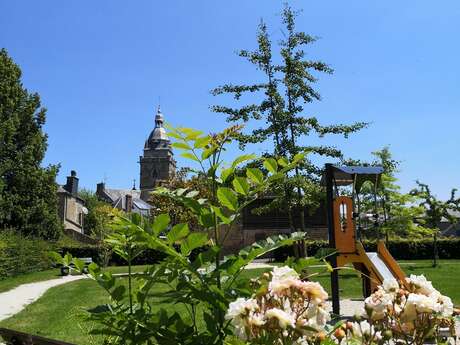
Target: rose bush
{"type": "Point", "coordinates": [285, 310]}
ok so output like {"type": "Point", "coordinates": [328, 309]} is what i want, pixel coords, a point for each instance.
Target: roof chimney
{"type": "Point", "coordinates": [128, 202]}
{"type": "Point", "coordinates": [100, 187]}
{"type": "Point", "coordinates": [72, 183]}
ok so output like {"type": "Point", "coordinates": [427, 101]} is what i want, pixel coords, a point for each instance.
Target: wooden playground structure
{"type": "Point", "coordinates": [345, 235]}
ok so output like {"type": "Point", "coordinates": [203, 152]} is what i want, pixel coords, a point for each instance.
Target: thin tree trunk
{"type": "Point", "coordinates": [435, 249]}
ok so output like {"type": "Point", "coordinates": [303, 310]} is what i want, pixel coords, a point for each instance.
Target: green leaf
{"type": "Point", "coordinates": [175, 135]}
{"type": "Point", "coordinates": [206, 218]}
{"type": "Point", "coordinates": [227, 198]}
{"type": "Point", "coordinates": [55, 257]}
{"type": "Point", "coordinates": [67, 259]}
{"type": "Point", "coordinates": [234, 263]}
{"type": "Point", "coordinates": [118, 293]}
{"type": "Point", "coordinates": [161, 222]}
{"type": "Point", "coordinates": [241, 185]}
{"type": "Point", "coordinates": [178, 232]}
{"type": "Point", "coordinates": [221, 215]}
{"type": "Point", "coordinates": [190, 133]}
{"type": "Point", "coordinates": [79, 264]}
{"type": "Point", "coordinates": [226, 173]}
{"type": "Point", "coordinates": [190, 156]}
{"type": "Point", "coordinates": [298, 157]}
{"type": "Point", "coordinates": [271, 165]}
{"type": "Point", "coordinates": [201, 142]}
{"type": "Point", "coordinates": [207, 153]}
{"type": "Point", "coordinates": [242, 159]}
{"type": "Point", "coordinates": [283, 162]}
{"type": "Point", "coordinates": [181, 146]}
{"type": "Point", "coordinates": [328, 266]}
{"type": "Point", "coordinates": [192, 194]}
{"type": "Point", "coordinates": [255, 175]}
{"type": "Point", "coordinates": [194, 240]}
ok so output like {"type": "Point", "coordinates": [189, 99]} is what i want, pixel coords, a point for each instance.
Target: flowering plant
{"type": "Point", "coordinates": [284, 310]}
{"type": "Point", "coordinates": [413, 312]}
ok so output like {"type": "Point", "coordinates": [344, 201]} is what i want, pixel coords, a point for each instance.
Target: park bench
{"type": "Point", "coordinates": [87, 261]}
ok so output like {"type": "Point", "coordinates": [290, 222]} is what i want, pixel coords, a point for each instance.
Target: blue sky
{"type": "Point", "coordinates": [100, 67]}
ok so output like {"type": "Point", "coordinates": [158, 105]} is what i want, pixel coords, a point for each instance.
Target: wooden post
{"type": "Point", "coordinates": [330, 225]}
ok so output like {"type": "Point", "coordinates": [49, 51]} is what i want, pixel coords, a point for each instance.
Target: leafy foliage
{"type": "Point", "coordinates": [436, 210]}
{"type": "Point", "coordinates": [20, 254]}
{"type": "Point", "coordinates": [287, 89]}
{"type": "Point", "coordinates": [204, 283]}
{"type": "Point", "coordinates": [28, 200]}
{"type": "Point", "coordinates": [398, 215]}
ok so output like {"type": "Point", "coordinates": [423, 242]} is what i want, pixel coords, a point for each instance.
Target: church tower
{"type": "Point", "coordinates": [157, 163]}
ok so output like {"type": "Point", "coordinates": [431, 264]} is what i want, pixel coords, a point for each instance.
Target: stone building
{"type": "Point", "coordinates": [71, 207]}
{"type": "Point", "coordinates": [254, 227]}
{"type": "Point", "coordinates": [157, 164]}
{"type": "Point", "coordinates": [157, 167]}
{"type": "Point", "coordinates": [128, 200]}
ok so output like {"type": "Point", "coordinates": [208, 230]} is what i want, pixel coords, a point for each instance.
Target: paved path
{"type": "Point", "coordinates": [13, 301]}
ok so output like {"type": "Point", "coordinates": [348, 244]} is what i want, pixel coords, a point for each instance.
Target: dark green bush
{"type": "Point", "coordinates": [449, 248]}
{"type": "Point", "coordinates": [19, 254]}
{"type": "Point", "coordinates": [147, 257]}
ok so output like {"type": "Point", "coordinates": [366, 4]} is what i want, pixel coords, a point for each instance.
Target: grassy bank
{"type": "Point", "coordinates": [64, 305]}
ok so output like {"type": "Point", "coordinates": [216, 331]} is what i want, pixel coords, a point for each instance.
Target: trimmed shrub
{"type": "Point", "coordinates": [448, 248]}
{"type": "Point", "coordinates": [19, 254]}
{"type": "Point", "coordinates": [147, 257]}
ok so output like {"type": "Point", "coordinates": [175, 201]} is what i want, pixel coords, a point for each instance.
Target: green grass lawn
{"type": "Point", "coordinates": [12, 282]}
{"type": "Point", "coordinates": [58, 313]}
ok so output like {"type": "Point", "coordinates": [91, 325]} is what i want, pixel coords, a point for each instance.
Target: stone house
{"type": "Point", "coordinates": [128, 200]}
{"type": "Point", "coordinates": [71, 208]}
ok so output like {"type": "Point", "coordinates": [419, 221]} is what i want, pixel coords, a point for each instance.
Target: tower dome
{"type": "Point", "coordinates": [158, 133]}
{"type": "Point", "coordinates": [157, 162]}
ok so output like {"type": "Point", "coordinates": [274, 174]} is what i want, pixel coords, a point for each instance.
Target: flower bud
{"type": "Point", "coordinates": [321, 336]}
{"type": "Point", "coordinates": [387, 334]}
{"type": "Point", "coordinates": [349, 325]}
{"type": "Point", "coordinates": [339, 333]}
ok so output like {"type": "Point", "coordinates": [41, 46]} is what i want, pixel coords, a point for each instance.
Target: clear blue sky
{"type": "Point", "coordinates": [100, 67]}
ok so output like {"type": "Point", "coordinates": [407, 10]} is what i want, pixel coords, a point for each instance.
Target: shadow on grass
{"type": "Point", "coordinates": [103, 308]}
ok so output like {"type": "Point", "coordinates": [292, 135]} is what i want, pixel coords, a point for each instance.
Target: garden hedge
{"type": "Point", "coordinates": [148, 256]}
{"type": "Point", "coordinates": [401, 249]}
{"type": "Point", "coordinates": [19, 254]}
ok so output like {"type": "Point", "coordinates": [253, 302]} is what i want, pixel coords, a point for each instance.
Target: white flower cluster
{"type": "Point", "coordinates": [292, 311]}
{"type": "Point", "coordinates": [287, 307]}
{"type": "Point", "coordinates": [412, 308]}
{"type": "Point", "coordinates": [417, 296]}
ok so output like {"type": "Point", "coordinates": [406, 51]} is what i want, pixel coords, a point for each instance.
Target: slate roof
{"type": "Point", "coordinates": [118, 198]}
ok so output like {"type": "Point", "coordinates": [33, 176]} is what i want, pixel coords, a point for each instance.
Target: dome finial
{"type": "Point", "coordinates": [159, 118]}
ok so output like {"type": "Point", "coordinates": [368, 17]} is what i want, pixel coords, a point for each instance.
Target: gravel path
{"type": "Point", "coordinates": [13, 301]}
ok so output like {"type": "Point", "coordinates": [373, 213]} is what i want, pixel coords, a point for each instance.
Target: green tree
{"type": "Point", "coordinates": [28, 200]}
{"type": "Point", "coordinates": [435, 211]}
{"type": "Point", "coordinates": [287, 89]}
{"type": "Point", "coordinates": [398, 209]}
{"type": "Point", "coordinates": [97, 222]}
{"type": "Point", "coordinates": [177, 212]}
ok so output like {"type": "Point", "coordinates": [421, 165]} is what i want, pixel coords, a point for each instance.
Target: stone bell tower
{"type": "Point", "coordinates": [157, 163]}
